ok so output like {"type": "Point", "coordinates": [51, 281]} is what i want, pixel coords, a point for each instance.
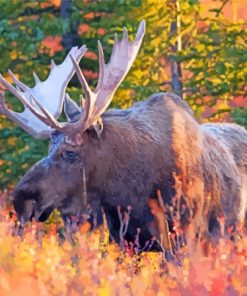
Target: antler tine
{"type": "Point", "coordinates": [90, 97]}
{"type": "Point", "coordinates": [116, 42]}
{"type": "Point", "coordinates": [82, 102]}
{"type": "Point", "coordinates": [101, 65]}
{"type": "Point", "coordinates": [53, 64]}
{"type": "Point", "coordinates": [81, 77]}
{"type": "Point", "coordinates": [3, 108]}
{"type": "Point", "coordinates": [16, 117]}
{"type": "Point", "coordinates": [47, 119]}
{"type": "Point", "coordinates": [17, 93]}
{"type": "Point", "coordinates": [125, 33]}
{"type": "Point", "coordinates": [21, 85]}
{"type": "Point", "coordinates": [51, 121]}
{"type": "Point", "coordinates": [36, 78]}
{"type": "Point", "coordinates": [110, 76]}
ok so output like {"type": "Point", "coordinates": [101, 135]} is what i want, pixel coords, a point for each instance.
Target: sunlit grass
{"type": "Point", "coordinates": [38, 264]}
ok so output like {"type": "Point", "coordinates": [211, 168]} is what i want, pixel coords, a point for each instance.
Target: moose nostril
{"type": "Point", "coordinates": [24, 202]}
{"type": "Point", "coordinates": [45, 214]}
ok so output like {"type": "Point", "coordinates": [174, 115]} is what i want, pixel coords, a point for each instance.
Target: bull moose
{"type": "Point", "coordinates": [119, 159]}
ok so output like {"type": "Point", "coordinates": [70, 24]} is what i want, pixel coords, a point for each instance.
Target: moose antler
{"type": "Point", "coordinates": [110, 77]}
{"type": "Point", "coordinates": [43, 103]}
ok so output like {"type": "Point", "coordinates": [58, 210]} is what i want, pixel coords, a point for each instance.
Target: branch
{"type": "Point", "coordinates": [221, 8]}
{"type": "Point", "coordinates": [176, 71]}
{"type": "Point", "coordinates": [30, 11]}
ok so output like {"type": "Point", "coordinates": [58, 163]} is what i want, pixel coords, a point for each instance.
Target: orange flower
{"type": "Point", "coordinates": [91, 55]}
{"type": "Point", "coordinates": [83, 28]}
{"type": "Point", "coordinates": [239, 101]}
{"type": "Point", "coordinates": [90, 74]}
{"type": "Point", "coordinates": [53, 43]}
{"type": "Point", "coordinates": [89, 16]}
{"type": "Point", "coordinates": [101, 31]}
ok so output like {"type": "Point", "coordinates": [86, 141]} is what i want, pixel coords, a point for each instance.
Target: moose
{"type": "Point", "coordinates": [125, 160]}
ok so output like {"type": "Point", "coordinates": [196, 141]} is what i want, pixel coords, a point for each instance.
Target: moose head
{"type": "Point", "coordinates": [57, 180]}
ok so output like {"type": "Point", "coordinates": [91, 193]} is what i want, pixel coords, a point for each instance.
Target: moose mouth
{"type": "Point", "coordinates": [44, 215]}
{"type": "Point", "coordinates": [27, 207]}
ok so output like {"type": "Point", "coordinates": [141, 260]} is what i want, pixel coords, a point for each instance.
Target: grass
{"type": "Point", "coordinates": [38, 264]}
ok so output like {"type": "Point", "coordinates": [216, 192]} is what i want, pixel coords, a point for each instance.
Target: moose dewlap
{"type": "Point", "coordinates": [119, 159]}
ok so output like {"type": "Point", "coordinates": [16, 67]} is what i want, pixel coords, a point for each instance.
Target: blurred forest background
{"type": "Point", "coordinates": [195, 48]}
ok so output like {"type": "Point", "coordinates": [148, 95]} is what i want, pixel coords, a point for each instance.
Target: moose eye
{"type": "Point", "coordinates": [70, 156]}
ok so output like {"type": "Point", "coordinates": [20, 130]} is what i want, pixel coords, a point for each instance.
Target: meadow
{"type": "Point", "coordinates": [38, 261]}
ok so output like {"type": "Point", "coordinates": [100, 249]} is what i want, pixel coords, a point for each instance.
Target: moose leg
{"type": "Point", "coordinates": [243, 207]}
{"type": "Point", "coordinates": [163, 230]}
{"type": "Point", "coordinates": [158, 210]}
{"type": "Point", "coordinates": [244, 196]}
{"type": "Point", "coordinates": [197, 230]}
{"type": "Point", "coordinates": [205, 235]}
{"type": "Point", "coordinates": [236, 214]}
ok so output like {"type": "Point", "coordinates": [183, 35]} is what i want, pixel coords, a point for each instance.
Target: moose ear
{"type": "Point", "coordinates": [96, 128]}
{"type": "Point", "coordinates": [71, 109]}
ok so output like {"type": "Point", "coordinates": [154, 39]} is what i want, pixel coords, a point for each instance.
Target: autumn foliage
{"type": "Point", "coordinates": [208, 49]}
{"type": "Point", "coordinates": [39, 262]}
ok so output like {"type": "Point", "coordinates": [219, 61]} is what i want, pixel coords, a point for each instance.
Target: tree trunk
{"type": "Point", "coordinates": [65, 13]}
{"type": "Point", "coordinates": [176, 72]}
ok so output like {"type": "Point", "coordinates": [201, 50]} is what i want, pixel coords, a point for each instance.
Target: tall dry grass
{"type": "Point", "coordinates": [36, 263]}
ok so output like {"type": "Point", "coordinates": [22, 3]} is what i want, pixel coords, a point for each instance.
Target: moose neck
{"type": "Point", "coordinates": [119, 168]}
{"type": "Point", "coordinates": [108, 156]}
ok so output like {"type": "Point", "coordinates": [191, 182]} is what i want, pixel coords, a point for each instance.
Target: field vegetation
{"type": "Point", "coordinates": [39, 260]}
{"type": "Point", "coordinates": [194, 48]}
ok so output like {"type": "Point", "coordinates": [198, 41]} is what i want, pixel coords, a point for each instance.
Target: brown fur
{"type": "Point", "coordinates": [139, 151]}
